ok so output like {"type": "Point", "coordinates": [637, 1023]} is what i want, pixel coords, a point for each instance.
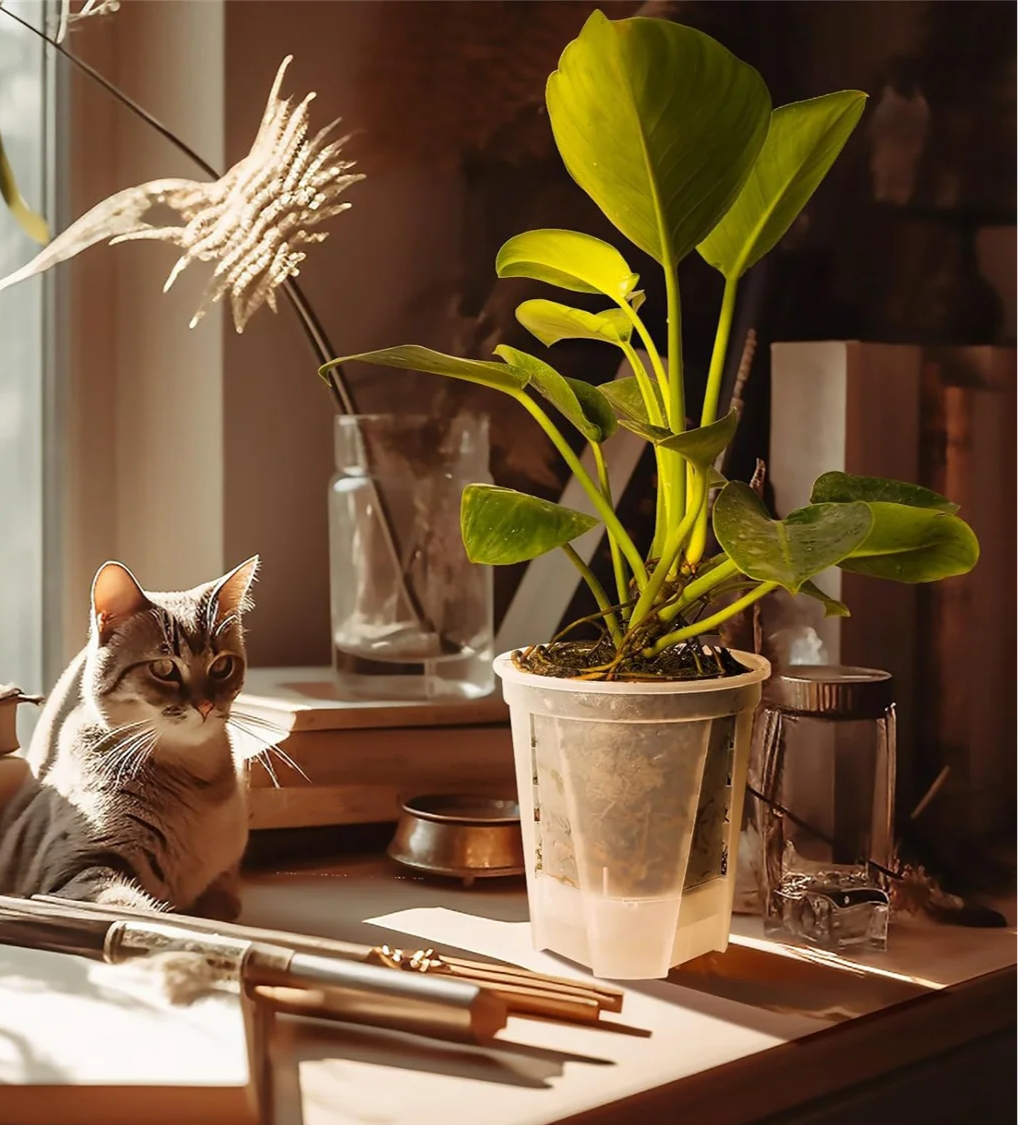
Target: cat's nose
{"type": "Point", "coordinates": [204, 708]}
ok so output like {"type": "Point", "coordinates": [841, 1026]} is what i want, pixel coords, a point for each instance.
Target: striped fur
{"type": "Point", "coordinates": [136, 795]}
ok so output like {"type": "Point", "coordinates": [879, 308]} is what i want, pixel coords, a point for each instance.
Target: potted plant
{"type": "Point", "coordinates": [631, 748]}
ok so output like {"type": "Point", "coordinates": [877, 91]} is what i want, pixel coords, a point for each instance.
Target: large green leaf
{"type": "Point", "coordinates": [33, 225]}
{"type": "Point", "coordinates": [659, 124]}
{"type": "Point", "coordinates": [582, 404]}
{"type": "Point", "coordinates": [411, 357]}
{"type": "Point", "coordinates": [625, 396]}
{"type": "Point", "coordinates": [839, 487]}
{"type": "Point", "coordinates": [502, 526]}
{"type": "Point", "coordinates": [788, 551]}
{"type": "Point", "coordinates": [909, 544]}
{"type": "Point", "coordinates": [702, 445]}
{"type": "Point", "coordinates": [802, 143]}
{"type": "Point", "coordinates": [551, 322]}
{"type": "Point", "coordinates": [568, 259]}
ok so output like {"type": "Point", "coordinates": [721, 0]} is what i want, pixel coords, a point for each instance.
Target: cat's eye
{"type": "Point", "coordinates": [165, 670]}
{"type": "Point", "coordinates": [222, 667]}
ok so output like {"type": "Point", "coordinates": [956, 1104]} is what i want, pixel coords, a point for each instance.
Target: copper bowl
{"type": "Point", "coordinates": [460, 835]}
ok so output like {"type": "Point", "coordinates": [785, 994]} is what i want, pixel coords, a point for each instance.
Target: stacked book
{"type": "Point", "coordinates": [330, 761]}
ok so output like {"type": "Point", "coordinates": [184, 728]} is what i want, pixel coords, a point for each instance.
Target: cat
{"type": "Point", "coordinates": [137, 796]}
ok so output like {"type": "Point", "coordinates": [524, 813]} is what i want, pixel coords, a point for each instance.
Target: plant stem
{"type": "Point", "coordinates": [649, 394]}
{"type": "Point", "coordinates": [643, 381]}
{"type": "Point", "coordinates": [676, 387]}
{"type": "Point", "coordinates": [671, 469]}
{"type": "Point", "coordinates": [603, 604]}
{"type": "Point", "coordinates": [673, 547]}
{"type": "Point", "coordinates": [618, 562]}
{"type": "Point", "coordinates": [648, 343]}
{"type": "Point", "coordinates": [709, 413]}
{"type": "Point", "coordinates": [603, 508]}
{"type": "Point", "coordinates": [698, 587]}
{"type": "Point", "coordinates": [708, 624]}
{"type": "Point", "coordinates": [711, 395]}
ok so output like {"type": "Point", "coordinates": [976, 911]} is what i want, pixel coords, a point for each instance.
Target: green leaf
{"type": "Point", "coordinates": [803, 141]}
{"type": "Point", "coordinates": [35, 226]}
{"type": "Point", "coordinates": [411, 357]}
{"type": "Point", "coordinates": [654, 434]}
{"type": "Point", "coordinates": [701, 446]}
{"type": "Point", "coordinates": [624, 395]}
{"type": "Point", "coordinates": [832, 607]}
{"type": "Point", "coordinates": [551, 322]}
{"type": "Point", "coordinates": [569, 260]}
{"type": "Point", "coordinates": [586, 408]}
{"type": "Point", "coordinates": [839, 487]}
{"type": "Point", "coordinates": [909, 544]}
{"type": "Point", "coordinates": [660, 126]}
{"type": "Point", "coordinates": [502, 526]}
{"type": "Point", "coordinates": [787, 551]}
{"type": "Point", "coordinates": [596, 407]}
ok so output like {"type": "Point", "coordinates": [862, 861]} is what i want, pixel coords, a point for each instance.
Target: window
{"type": "Point", "coordinates": [29, 108]}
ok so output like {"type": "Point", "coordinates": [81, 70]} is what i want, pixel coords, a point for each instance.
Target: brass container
{"type": "Point", "coordinates": [461, 836]}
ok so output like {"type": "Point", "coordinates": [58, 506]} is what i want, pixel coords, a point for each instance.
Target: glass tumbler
{"type": "Point", "coordinates": [411, 615]}
{"type": "Point", "coordinates": [823, 760]}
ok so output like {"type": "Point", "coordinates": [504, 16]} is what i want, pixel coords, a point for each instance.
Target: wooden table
{"type": "Point", "coordinates": [759, 1031]}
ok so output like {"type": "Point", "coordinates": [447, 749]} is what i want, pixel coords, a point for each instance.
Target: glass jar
{"type": "Point", "coordinates": [822, 772]}
{"type": "Point", "coordinates": [411, 615]}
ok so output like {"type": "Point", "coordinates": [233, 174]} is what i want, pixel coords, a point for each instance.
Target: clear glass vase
{"type": "Point", "coordinates": [411, 615]}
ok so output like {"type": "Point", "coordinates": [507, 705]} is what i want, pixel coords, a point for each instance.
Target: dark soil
{"type": "Point", "coordinates": [594, 660]}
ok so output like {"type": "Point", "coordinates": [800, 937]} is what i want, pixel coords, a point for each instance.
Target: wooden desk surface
{"type": "Point", "coordinates": [727, 1039]}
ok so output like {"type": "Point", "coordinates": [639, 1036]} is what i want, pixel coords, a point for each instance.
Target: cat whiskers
{"type": "Point", "coordinates": [259, 731]}
{"type": "Point", "coordinates": [124, 762]}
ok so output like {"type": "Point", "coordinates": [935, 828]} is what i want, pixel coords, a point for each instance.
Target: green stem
{"type": "Point", "coordinates": [601, 506]}
{"type": "Point", "coordinates": [709, 413]}
{"type": "Point", "coordinates": [603, 604]}
{"type": "Point", "coordinates": [708, 624]}
{"type": "Point", "coordinates": [717, 359]}
{"type": "Point", "coordinates": [673, 547]}
{"type": "Point", "coordinates": [618, 562]}
{"type": "Point", "coordinates": [650, 395]}
{"type": "Point", "coordinates": [643, 381]}
{"type": "Point", "coordinates": [676, 387]}
{"type": "Point", "coordinates": [648, 343]}
{"type": "Point", "coordinates": [671, 469]}
{"type": "Point", "coordinates": [698, 587]}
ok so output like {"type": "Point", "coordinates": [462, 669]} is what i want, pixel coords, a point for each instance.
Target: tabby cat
{"type": "Point", "coordinates": [136, 797]}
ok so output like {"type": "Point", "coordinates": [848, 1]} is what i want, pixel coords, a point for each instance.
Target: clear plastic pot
{"type": "Point", "coordinates": [631, 798]}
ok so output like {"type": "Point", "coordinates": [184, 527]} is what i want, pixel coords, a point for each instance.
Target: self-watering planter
{"type": "Point", "coordinates": [631, 798]}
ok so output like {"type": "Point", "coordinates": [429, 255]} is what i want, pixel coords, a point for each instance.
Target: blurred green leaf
{"type": "Point", "coordinates": [35, 226]}
{"type": "Point", "coordinates": [908, 544]}
{"type": "Point", "coordinates": [502, 526]}
{"type": "Point", "coordinates": [581, 403]}
{"type": "Point", "coordinates": [840, 487]}
{"type": "Point", "coordinates": [412, 357]}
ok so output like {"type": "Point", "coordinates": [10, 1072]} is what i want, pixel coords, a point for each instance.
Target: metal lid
{"type": "Point", "coordinates": [830, 689]}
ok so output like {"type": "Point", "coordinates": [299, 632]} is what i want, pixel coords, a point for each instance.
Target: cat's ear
{"type": "Point", "coordinates": [116, 596]}
{"type": "Point", "coordinates": [232, 592]}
